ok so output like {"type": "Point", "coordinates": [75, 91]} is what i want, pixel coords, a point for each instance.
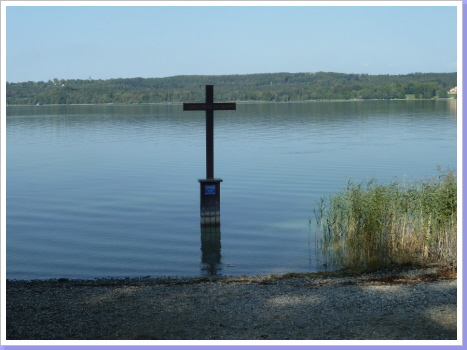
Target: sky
{"type": "Point", "coordinates": [104, 42]}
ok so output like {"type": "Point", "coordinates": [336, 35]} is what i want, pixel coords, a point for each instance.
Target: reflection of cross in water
{"type": "Point", "coordinates": [209, 106]}
{"type": "Point", "coordinates": [211, 249]}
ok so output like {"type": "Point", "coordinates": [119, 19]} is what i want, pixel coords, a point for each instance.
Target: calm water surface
{"type": "Point", "coordinates": [112, 191]}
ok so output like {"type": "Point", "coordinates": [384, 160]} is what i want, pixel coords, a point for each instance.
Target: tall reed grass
{"type": "Point", "coordinates": [373, 226]}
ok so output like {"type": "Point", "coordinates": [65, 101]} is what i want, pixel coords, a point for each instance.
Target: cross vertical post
{"type": "Point", "coordinates": [210, 187]}
{"type": "Point", "coordinates": [209, 133]}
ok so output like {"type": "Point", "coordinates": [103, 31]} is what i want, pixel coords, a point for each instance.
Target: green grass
{"type": "Point", "coordinates": [373, 226]}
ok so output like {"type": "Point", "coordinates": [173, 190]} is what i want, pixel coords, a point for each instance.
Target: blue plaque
{"type": "Point", "coordinates": [210, 189]}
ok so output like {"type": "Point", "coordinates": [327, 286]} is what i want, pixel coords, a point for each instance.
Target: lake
{"type": "Point", "coordinates": [112, 190]}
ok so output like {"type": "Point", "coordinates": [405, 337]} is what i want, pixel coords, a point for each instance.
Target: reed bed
{"type": "Point", "coordinates": [374, 226]}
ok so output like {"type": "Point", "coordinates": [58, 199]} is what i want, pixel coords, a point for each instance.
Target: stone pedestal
{"type": "Point", "coordinates": [210, 208]}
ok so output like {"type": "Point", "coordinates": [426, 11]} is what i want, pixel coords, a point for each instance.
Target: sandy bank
{"type": "Point", "coordinates": [414, 304]}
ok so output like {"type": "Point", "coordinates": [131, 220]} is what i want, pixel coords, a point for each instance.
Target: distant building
{"type": "Point", "coordinates": [453, 90]}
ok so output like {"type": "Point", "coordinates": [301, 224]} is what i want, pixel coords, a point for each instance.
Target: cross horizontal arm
{"type": "Point", "coordinates": [209, 106]}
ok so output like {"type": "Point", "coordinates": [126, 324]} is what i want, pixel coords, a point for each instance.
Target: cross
{"type": "Point", "coordinates": [209, 106]}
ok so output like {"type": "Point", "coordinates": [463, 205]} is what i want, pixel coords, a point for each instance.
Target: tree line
{"type": "Point", "coordinates": [277, 87]}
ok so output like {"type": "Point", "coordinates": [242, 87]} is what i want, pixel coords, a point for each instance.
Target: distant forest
{"type": "Point", "coordinates": [277, 87]}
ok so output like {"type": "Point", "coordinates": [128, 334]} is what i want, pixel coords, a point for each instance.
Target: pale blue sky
{"type": "Point", "coordinates": [64, 42]}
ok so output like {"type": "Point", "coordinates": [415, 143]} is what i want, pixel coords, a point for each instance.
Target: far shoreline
{"type": "Point", "coordinates": [242, 102]}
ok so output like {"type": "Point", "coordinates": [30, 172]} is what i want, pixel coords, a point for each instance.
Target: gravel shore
{"type": "Point", "coordinates": [409, 305]}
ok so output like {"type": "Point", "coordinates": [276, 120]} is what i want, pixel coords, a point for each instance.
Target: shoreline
{"type": "Point", "coordinates": [435, 271]}
{"type": "Point", "coordinates": [415, 304]}
{"type": "Point", "coordinates": [243, 102]}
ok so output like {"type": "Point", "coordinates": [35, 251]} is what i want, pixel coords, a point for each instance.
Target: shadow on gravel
{"type": "Point", "coordinates": [269, 310]}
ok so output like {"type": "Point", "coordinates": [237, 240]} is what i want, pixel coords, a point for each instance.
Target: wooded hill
{"type": "Point", "coordinates": [251, 87]}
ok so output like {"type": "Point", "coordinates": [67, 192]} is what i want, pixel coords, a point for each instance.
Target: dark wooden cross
{"type": "Point", "coordinates": [209, 106]}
